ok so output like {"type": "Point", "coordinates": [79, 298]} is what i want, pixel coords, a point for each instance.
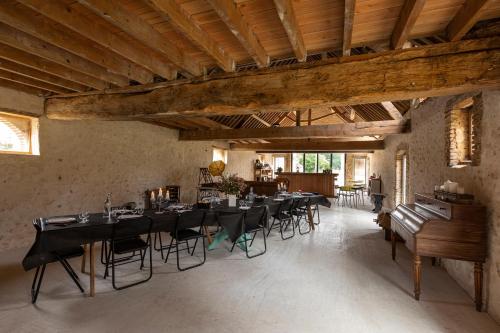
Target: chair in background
{"type": "Point", "coordinates": [347, 196]}
{"type": "Point", "coordinates": [185, 231]}
{"type": "Point", "coordinates": [253, 222]}
{"type": "Point", "coordinates": [299, 211]}
{"type": "Point", "coordinates": [61, 256]}
{"type": "Point", "coordinates": [125, 241]}
{"type": "Point", "coordinates": [284, 218]}
{"type": "Point", "coordinates": [314, 204]}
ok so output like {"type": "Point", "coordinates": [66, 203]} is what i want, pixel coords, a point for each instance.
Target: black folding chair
{"type": "Point", "coordinates": [125, 242]}
{"type": "Point", "coordinates": [253, 222]}
{"type": "Point", "coordinates": [284, 218]}
{"type": "Point", "coordinates": [314, 204]}
{"type": "Point", "coordinates": [184, 232]}
{"type": "Point", "coordinates": [61, 256]}
{"type": "Point", "coordinates": [299, 211]}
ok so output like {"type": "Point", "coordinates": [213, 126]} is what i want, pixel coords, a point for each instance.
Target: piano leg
{"type": "Point", "coordinates": [478, 284]}
{"type": "Point", "coordinates": [393, 243]}
{"type": "Point", "coordinates": [417, 273]}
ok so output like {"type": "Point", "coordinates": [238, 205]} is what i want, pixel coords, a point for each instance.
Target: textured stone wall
{"type": "Point", "coordinates": [428, 167]}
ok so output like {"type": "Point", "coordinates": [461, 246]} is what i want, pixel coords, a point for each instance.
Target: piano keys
{"type": "Point", "coordinates": [435, 228]}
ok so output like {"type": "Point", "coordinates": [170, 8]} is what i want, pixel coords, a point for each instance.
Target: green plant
{"type": "Point", "coordinates": [231, 184]}
{"type": "Point", "coordinates": [279, 170]}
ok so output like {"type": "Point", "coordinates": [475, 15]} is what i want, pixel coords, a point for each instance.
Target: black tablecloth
{"type": "Point", "coordinates": [54, 238]}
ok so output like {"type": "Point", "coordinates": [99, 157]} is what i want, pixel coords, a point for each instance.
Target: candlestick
{"type": "Point", "coordinates": [167, 195]}
{"type": "Point", "coordinates": [160, 192]}
{"type": "Point", "coordinates": [152, 196]}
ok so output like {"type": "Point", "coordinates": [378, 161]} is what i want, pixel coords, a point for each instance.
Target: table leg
{"type": "Point", "coordinates": [84, 257]}
{"type": "Point", "coordinates": [393, 243]}
{"type": "Point", "coordinates": [417, 274]}
{"type": "Point", "coordinates": [92, 269]}
{"type": "Point", "coordinates": [207, 233]}
{"type": "Point", "coordinates": [478, 285]}
{"type": "Point", "coordinates": [310, 217]}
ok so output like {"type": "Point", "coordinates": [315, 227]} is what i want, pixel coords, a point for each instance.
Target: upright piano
{"type": "Point", "coordinates": [441, 229]}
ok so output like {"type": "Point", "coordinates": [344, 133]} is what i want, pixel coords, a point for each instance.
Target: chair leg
{"type": "Point", "coordinates": [253, 238]}
{"type": "Point", "coordinates": [161, 244]}
{"type": "Point", "coordinates": [169, 248]}
{"type": "Point", "coordinates": [195, 242]}
{"type": "Point", "coordinates": [299, 219]}
{"type": "Point", "coordinates": [71, 273]}
{"type": "Point", "coordinates": [35, 287]}
{"type": "Point", "coordinates": [192, 266]}
{"type": "Point", "coordinates": [271, 227]}
{"type": "Point", "coordinates": [281, 230]}
{"type": "Point", "coordinates": [108, 257]}
{"type": "Point", "coordinates": [265, 245]}
{"type": "Point", "coordinates": [317, 210]}
{"type": "Point", "coordinates": [71, 269]}
{"type": "Point", "coordinates": [232, 247]}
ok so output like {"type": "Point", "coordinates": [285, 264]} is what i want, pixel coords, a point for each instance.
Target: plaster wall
{"type": "Point", "coordinates": [428, 167]}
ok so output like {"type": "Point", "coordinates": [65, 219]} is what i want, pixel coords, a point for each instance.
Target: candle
{"type": "Point", "coordinates": [152, 196]}
{"type": "Point", "coordinates": [167, 195]}
{"type": "Point", "coordinates": [160, 193]}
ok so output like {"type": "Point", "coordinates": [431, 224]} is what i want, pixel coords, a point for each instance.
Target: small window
{"type": "Point", "coordinates": [279, 162]}
{"type": "Point", "coordinates": [219, 154]}
{"type": "Point", "coordinates": [18, 134]}
{"type": "Point", "coordinates": [462, 128]}
{"type": "Point", "coordinates": [401, 189]}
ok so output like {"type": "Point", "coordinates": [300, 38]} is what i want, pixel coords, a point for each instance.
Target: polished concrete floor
{"type": "Point", "coordinates": [339, 278]}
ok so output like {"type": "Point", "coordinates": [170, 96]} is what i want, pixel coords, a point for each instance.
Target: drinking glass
{"type": "Point", "coordinates": [84, 217]}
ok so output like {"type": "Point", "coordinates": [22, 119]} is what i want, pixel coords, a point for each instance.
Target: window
{"type": "Point", "coordinates": [318, 162]}
{"type": "Point", "coordinates": [324, 162]}
{"type": "Point", "coordinates": [463, 118]}
{"type": "Point", "coordinates": [311, 163]}
{"type": "Point", "coordinates": [298, 162]}
{"type": "Point", "coordinates": [219, 154]}
{"type": "Point", "coordinates": [401, 189]}
{"type": "Point", "coordinates": [361, 170]}
{"type": "Point", "coordinates": [279, 162]}
{"type": "Point", "coordinates": [18, 134]}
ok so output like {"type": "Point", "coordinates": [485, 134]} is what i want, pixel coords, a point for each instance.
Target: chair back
{"type": "Point", "coordinates": [286, 206]}
{"type": "Point", "coordinates": [300, 203]}
{"type": "Point", "coordinates": [232, 223]}
{"type": "Point", "coordinates": [254, 217]}
{"type": "Point", "coordinates": [274, 208]}
{"type": "Point", "coordinates": [190, 219]}
{"type": "Point", "coordinates": [132, 227]}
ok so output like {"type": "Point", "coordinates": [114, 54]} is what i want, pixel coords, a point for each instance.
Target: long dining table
{"type": "Point", "coordinates": [99, 228]}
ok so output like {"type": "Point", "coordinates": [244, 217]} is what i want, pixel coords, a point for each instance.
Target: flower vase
{"type": "Point", "coordinates": [231, 200]}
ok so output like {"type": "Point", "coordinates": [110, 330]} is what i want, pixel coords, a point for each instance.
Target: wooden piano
{"type": "Point", "coordinates": [435, 228]}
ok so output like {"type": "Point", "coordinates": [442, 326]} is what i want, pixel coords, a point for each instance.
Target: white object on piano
{"type": "Point", "coordinates": [60, 219]}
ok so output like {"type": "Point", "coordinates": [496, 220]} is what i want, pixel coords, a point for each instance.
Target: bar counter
{"type": "Point", "coordinates": [322, 183]}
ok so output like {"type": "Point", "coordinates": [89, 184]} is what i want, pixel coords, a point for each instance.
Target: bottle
{"type": "Point", "coordinates": [107, 206]}
{"type": "Point", "coordinates": [251, 195]}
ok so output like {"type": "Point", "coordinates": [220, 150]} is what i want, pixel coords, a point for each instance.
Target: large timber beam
{"type": "Point", "coordinates": [303, 145]}
{"type": "Point", "coordinates": [185, 25]}
{"type": "Point", "coordinates": [287, 16]}
{"type": "Point", "coordinates": [348, 26]}
{"type": "Point", "coordinates": [392, 110]}
{"type": "Point", "coordinates": [114, 12]}
{"type": "Point", "coordinates": [466, 17]}
{"type": "Point", "coordinates": [66, 15]}
{"type": "Point", "coordinates": [437, 70]}
{"type": "Point", "coordinates": [407, 19]}
{"type": "Point", "coordinates": [299, 132]}
{"type": "Point", "coordinates": [229, 13]}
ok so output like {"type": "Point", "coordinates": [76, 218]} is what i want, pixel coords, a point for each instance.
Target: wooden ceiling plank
{"type": "Point", "coordinates": [229, 12]}
{"type": "Point", "coordinates": [465, 18]}
{"type": "Point", "coordinates": [39, 75]}
{"type": "Point", "coordinates": [114, 12]}
{"type": "Point", "coordinates": [288, 18]}
{"type": "Point", "coordinates": [407, 19]}
{"type": "Point", "coordinates": [396, 75]}
{"type": "Point", "coordinates": [294, 145]}
{"type": "Point", "coordinates": [118, 70]}
{"type": "Point", "coordinates": [393, 111]}
{"type": "Point", "coordinates": [67, 16]}
{"type": "Point", "coordinates": [27, 43]}
{"type": "Point", "coordinates": [262, 121]}
{"type": "Point", "coordinates": [35, 62]}
{"type": "Point", "coordinates": [297, 132]}
{"type": "Point", "coordinates": [6, 75]}
{"type": "Point", "coordinates": [348, 26]}
{"type": "Point", "coordinates": [24, 88]}
{"type": "Point", "coordinates": [188, 27]}
{"type": "Point", "coordinates": [156, 122]}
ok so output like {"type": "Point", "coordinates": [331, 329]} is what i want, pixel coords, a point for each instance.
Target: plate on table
{"type": "Point", "coordinates": [128, 216]}
{"type": "Point", "coordinates": [176, 207]}
{"type": "Point", "coordinates": [245, 208]}
{"type": "Point", "coordinates": [183, 210]}
{"type": "Point", "coordinates": [278, 199]}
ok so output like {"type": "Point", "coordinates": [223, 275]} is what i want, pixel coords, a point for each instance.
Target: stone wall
{"type": "Point", "coordinates": [428, 167]}
{"type": "Point", "coordinates": [81, 161]}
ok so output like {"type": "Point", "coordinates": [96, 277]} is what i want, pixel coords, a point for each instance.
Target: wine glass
{"type": "Point", "coordinates": [84, 217]}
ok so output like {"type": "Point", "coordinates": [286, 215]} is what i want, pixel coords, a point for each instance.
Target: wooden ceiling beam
{"type": "Point", "coordinates": [173, 12]}
{"type": "Point", "coordinates": [24, 88]}
{"type": "Point", "coordinates": [72, 19]}
{"type": "Point", "coordinates": [229, 12]}
{"type": "Point", "coordinates": [348, 26]}
{"type": "Point", "coordinates": [35, 46]}
{"type": "Point", "coordinates": [39, 75]}
{"type": "Point", "coordinates": [392, 110]}
{"type": "Point", "coordinates": [6, 75]}
{"type": "Point", "coordinates": [260, 120]}
{"type": "Point", "coordinates": [114, 12]}
{"type": "Point", "coordinates": [297, 132]}
{"type": "Point", "coordinates": [312, 146]}
{"type": "Point", "coordinates": [465, 18]}
{"type": "Point", "coordinates": [35, 62]}
{"type": "Point", "coordinates": [437, 70]}
{"type": "Point", "coordinates": [287, 16]}
{"type": "Point", "coordinates": [206, 122]}
{"type": "Point", "coordinates": [407, 19]}
{"type": "Point", "coordinates": [118, 70]}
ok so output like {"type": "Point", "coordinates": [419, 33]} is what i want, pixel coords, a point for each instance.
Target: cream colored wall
{"type": "Point", "coordinates": [427, 160]}
{"type": "Point", "coordinates": [81, 161]}
{"type": "Point", "coordinates": [241, 163]}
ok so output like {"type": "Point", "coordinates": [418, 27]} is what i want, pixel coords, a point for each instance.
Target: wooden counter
{"type": "Point", "coordinates": [260, 188]}
{"type": "Point", "coordinates": [323, 183]}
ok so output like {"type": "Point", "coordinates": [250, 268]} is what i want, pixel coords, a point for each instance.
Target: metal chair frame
{"type": "Point", "coordinates": [253, 230]}
{"type": "Point", "coordinates": [284, 218]}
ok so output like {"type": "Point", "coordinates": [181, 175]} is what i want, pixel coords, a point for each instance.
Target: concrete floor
{"type": "Point", "coordinates": [339, 278]}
